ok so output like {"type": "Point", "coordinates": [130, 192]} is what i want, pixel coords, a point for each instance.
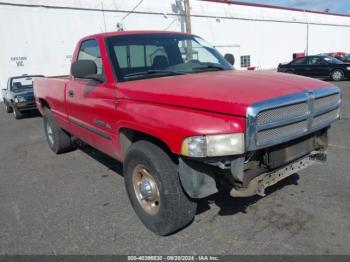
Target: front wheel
{"type": "Point", "coordinates": [337, 75]}
{"type": "Point", "coordinates": [8, 108]}
{"type": "Point", "coordinates": [154, 189]}
{"type": "Point", "coordinates": [16, 113]}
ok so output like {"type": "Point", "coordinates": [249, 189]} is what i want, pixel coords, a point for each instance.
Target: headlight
{"type": "Point", "coordinates": [213, 145]}
{"type": "Point", "coordinates": [20, 99]}
{"type": "Point", "coordinates": [348, 68]}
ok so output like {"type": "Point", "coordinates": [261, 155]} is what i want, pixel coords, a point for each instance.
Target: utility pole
{"type": "Point", "coordinates": [188, 29]}
{"type": "Point", "coordinates": [188, 17]}
{"type": "Point", "coordinates": [307, 33]}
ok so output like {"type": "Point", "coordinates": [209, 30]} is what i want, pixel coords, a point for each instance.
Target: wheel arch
{"type": "Point", "coordinates": [44, 103]}
{"type": "Point", "coordinates": [128, 136]}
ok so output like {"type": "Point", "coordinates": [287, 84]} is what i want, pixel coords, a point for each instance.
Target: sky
{"type": "Point", "coordinates": [335, 6]}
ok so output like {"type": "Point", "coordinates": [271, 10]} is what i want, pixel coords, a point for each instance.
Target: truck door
{"type": "Point", "coordinates": [90, 104]}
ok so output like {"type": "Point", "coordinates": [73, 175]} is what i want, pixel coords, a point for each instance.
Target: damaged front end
{"type": "Point", "coordinates": [251, 173]}
{"type": "Point", "coordinates": [283, 136]}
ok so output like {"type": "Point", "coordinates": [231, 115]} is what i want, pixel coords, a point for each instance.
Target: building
{"type": "Point", "coordinates": [38, 37]}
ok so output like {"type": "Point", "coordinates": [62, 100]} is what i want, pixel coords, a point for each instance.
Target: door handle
{"type": "Point", "coordinates": [70, 93]}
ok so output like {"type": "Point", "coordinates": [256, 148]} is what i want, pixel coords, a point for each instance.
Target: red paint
{"type": "Point", "coordinates": [168, 108]}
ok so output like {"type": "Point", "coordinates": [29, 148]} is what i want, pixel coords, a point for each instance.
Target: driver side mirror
{"type": "Point", "coordinates": [86, 69]}
{"type": "Point", "coordinates": [230, 58]}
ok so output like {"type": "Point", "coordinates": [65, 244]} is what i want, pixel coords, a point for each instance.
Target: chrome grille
{"type": "Point", "coordinates": [267, 135]}
{"type": "Point", "coordinates": [281, 113]}
{"type": "Point", "coordinates": [326, 102]}
{"type": "Point", "coordinates": [30, 98]}
{"type": "Point", "coordinates": [285, 118]}
{"type": "Point", "coordinates": [325, 118]}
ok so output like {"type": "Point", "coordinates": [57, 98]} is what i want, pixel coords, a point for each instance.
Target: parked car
{"type": "Point", "coordinates": [317, 66]}
{"type": "Point", "coordinates": [347, 59]}
{"type": "Point", "coordinates": [182, 121]}
{"type": "Point", "coordinates": [18, 95]}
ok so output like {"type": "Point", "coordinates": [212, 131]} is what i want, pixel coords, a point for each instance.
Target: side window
{"type": "Point", "coordinates": [300, 61]}
{"type": "Point", "coordinates": [89, 50]}
{"type": "Point", "coordinates": [314, 60]}
{"type": "Point", "coordinates": [318, 61]}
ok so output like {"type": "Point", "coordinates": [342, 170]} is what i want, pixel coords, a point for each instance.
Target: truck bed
{"type": "Point", "coordinates": [52, 91]}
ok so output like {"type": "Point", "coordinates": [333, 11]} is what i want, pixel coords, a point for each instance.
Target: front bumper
{"type": "Point", "coordinates": [25, 106]}
{"type": "Point", "coordinates": [258, 185]}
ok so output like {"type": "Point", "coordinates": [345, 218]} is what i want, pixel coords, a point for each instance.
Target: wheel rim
{"type": "Point", "coordinates": [14, 112]}
{"type": "Point", "coordinates": [6, 108]}
{"type": "Point", "coordinates": [337, 75]}
{"type": "Point", "coordinates": [49, 133]}
{"type": "Point", "coordinates": [146, 189]}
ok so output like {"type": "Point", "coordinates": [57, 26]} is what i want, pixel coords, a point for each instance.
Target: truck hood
{"type": "Point", "coordinates": [228, 92]}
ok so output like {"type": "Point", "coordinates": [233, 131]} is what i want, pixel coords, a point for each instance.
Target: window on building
{"type": "Point", "coordinates": [89, 50]}
{"type": "Point", "coordinates": [245, 61]}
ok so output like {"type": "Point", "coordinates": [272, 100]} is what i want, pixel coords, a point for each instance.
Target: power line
{"type": "Point", "coordinates": [136, 6]}
{"type": "Point", "coordinates": [171, 23]}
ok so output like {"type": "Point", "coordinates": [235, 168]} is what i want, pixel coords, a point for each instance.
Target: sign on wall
{"type": "Point", "coordinates": [19, 61]}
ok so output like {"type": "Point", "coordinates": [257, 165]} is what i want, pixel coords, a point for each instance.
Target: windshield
{"type": "Point", "coordinates": [20, 84]}
{"type": "Point", "coordinates": [137, 57]}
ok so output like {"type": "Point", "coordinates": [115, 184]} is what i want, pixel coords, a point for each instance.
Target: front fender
{"type": "Point", "coordinates": [173, 124]}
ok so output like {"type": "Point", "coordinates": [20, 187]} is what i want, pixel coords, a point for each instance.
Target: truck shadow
{"type": "Point", "coordinates": [31, 114]}
{"type": "Point", "coordinates": [228, 205]}
{"type": "Point", "coordinates": [102, 158]}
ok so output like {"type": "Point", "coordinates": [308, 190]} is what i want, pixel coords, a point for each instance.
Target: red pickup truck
{"type": "Point", "coordinates": [183, 122]}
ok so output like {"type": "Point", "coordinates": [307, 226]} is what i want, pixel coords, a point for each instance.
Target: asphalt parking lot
{"type": "Point", "coordinates": [76, 204]}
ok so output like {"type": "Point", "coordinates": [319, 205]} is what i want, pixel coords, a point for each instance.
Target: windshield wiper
{"type": "Point", "coordinates": [216, 67]}
{"type": "Point", "coordinates": [153, 72]}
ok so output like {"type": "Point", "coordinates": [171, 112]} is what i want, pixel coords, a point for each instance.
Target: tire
{"type": "Point", "coordinates": [59, 141]}
{"type": "Point", "coordinates": [337, 75]}
{"type": "Point", "coordinates": [16, 113]}
{"type": "Point", "coordinates": [171, 209]}
{"type": "Point", "coordinates": [8, 108]}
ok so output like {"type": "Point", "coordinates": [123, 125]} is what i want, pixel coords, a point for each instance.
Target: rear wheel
{"type": "Point", "coordinates": [337, 75]}
{"type": "Point", "coordinates": [59, 141]}
{"type": "Point", "coordinates": [154, 189]}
